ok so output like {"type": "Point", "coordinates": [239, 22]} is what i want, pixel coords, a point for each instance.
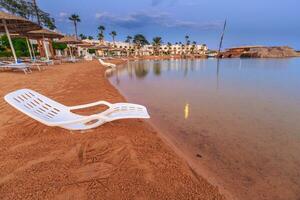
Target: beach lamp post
{"type": "Point", "coordinates": [14, 24]}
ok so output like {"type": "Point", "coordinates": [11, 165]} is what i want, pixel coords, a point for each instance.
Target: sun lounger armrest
{"type": "Point", "coordinates": [84, 120]}
{"type": "Point", "coordinates": [90, 105]}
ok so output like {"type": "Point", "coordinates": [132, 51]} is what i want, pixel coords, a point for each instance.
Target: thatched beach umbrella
{"type": "Point", "coordinates": [86, 45]}
{"type": "Point", "coordinates": [42, 34]}
{"type": "Point", "coordinates": [102, 48]}
{"type": "Point", "coordinates": [69, 40]}
{"type": "Point", "coordinates": [14, 24]}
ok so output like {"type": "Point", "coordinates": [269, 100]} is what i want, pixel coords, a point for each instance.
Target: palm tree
{"type": "Point", "coordinates": [157, 41]}
{"type": "Point", "coordinates": [82, 36]}
{"type": "Point", "coordinates": [90, 37]}
{"type": "Point", "coordinates": [101, 34]}
{"type": "Point", "coordinates": [128, 39]}
{"type": "Point", "coordinates": [186, 38]}
{"type": "Point", "coordinates": [139, 40]}
{"type": "Point", "coordinates": [169, 48]}
{"type": "Point", "coordinates": [36, 11]}
{"type": "Point", "coordinates": [75, 19]}
{"type": "Point", "coordinates": [113, 34]}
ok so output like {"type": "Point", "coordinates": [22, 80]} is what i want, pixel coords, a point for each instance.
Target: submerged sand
{"type": "Point", "coordinates": [119, 160]}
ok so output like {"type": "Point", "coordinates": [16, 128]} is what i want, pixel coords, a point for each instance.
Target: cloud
{"type": "Point", "coordinates": [203, 26]}
{"type": "Point", "coordinates": [62, 16]}
{"type": "Point", "coordinates": [102, 15]}
{"type": "Point", "coordinates": [158, 2]}
{"type": "Point", "coordinates": [161, 19]}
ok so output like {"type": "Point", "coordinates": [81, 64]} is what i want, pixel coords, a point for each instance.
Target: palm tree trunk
{"type": "Point", "coordinates": [36, 11]}
{"type": "Point", "coordinates": [75, 26]}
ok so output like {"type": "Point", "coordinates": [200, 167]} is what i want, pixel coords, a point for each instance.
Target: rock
{"type": "Point", "coordinates": [259, 52]}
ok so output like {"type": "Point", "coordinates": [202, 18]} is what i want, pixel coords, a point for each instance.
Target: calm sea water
{"type": "Point", "coordinates": [236, 120]}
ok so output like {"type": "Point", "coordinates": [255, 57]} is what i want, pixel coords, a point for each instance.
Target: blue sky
{"type": "Point", "coordinates": [265, 22]}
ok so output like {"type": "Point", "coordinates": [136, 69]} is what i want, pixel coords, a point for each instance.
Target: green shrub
{"type": "Point", "coordinates": [20, 46]}
{"type": "Point", "coordinates": [5, 54]}
{"type": "Point", "coordinates": [91, 51]}
{"type": "Point", "coordinates": [59, 46]}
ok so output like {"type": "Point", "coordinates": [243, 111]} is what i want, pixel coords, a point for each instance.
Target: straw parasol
{"type": "Point", "coordinates": [86, 44]}
{"type": "Point", "coordinates": [101, 47]}
{"type": "Point", "coordinates": [15, 24]}
{"type": "Point", "coordinates": [69, 40]}
{"type": "Point", "coordinates": [42, 34]}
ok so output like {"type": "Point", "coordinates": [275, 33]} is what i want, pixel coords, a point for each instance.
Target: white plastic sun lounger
{"type": "Point", "coordinates": [46, 62]}
{"type": "Point", "coordinates": [17, 66]}
{"type": "Point", "coordinates": [106, 64]}
{"type": "Point", "coordinates": [52, 113]}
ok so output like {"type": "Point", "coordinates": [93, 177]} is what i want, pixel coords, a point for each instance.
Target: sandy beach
{"type": "Point", "coordinates": [119, 160]}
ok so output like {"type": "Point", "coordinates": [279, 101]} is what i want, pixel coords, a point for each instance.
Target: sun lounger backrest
{"type": "Point", "coordinates": [35, 104]}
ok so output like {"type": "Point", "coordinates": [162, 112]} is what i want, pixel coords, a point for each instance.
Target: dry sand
{"type": "Point", "coordinates": [119, 160]}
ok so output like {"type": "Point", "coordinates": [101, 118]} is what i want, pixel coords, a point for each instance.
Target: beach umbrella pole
{"type": "Point", "coordinates": [71, 55]}
{"type": "Point", "coordinates": [29, 48]}
{"type": "Point", "coordinates": [9, 40]}
{"type": "Point", "coordinates": [46, 49]}
{"type": "Point", "coordinates": [34, 57]}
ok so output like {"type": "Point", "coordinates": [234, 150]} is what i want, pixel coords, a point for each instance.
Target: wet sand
{"type": "Point", "coordinates": [119, 160]}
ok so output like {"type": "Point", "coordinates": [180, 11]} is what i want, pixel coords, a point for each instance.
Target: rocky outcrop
{"type": "Point", "coordinates": [259, 52]}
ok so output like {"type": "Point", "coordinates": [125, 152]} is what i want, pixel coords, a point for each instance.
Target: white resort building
{"type": "Point", "coordinates": [119, 48]}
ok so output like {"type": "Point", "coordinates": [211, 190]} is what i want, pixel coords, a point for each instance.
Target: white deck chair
{"type": "Point", "coordinates": [35, 65]}
{"type": "Point", "coordinates": [16, 66]}
{"type": "Point", "coordinates": [52, 113]}
{"type": "Point", "coordinates": [43, 61]}
{"type": "Point", "coordinates": [106, 64]}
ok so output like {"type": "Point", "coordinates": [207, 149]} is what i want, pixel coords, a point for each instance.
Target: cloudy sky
{"type": "Point", "coordinates": [266, 22]}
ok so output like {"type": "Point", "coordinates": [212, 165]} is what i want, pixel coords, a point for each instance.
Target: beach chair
{"type": "Point", "coordinates": [16, 66]}
{"type": "Point", "coordinates": [88, 57]}
{"type": "Point", "coordinates": [106, 64]}
{"type": "Point", "coordinates": [43, 61]}
{"type": "Point", "coordinates": [52, 113]}
{"type": "Point", "coordinates": [70, 60]}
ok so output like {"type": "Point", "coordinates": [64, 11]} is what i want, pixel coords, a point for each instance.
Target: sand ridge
{"type": "Point", "coordinates": [119, 160]}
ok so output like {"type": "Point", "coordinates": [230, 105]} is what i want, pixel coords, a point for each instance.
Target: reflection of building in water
{"type": "Point", "coordinates": [186, 111]}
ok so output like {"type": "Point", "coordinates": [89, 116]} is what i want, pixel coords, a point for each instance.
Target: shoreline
{"type": "Point", "coordinates": [106, 162]}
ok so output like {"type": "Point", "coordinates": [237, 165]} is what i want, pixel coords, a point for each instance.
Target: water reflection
{"type": "Point", "coordinates": [186, 111]}
{"type": "Point", "coordinates": [157, 68]}
{"type": "Point", "coordinates": [141, 70]}
{"type": "Point", "coordinates": [247, 130]}
{"type": "Point", "coordinates": [189, 68]}
{"type": "Point", "coordinates": [218, 72]}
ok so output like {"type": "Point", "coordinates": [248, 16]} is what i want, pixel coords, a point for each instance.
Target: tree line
{"type": "Point", "coordinates": [29, 10]}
